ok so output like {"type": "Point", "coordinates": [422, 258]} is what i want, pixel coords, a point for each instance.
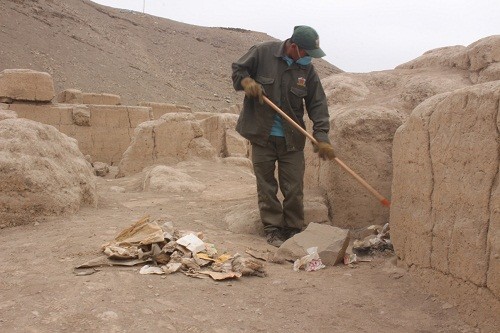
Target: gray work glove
{"type": "Point", "coordinates": [324, 150]}
{"type": "Point", "coordinates": [252, 88]}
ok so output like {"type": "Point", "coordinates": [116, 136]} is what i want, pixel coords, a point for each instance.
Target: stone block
{"type": "Point", "coordinates": [101, 99]}
{"type": "Point", "coordinates": [81, 115]}
{"type": "Point", "coordinates": [315, 211]}
{"type": "Point", "coordinates": [214, 129]}
{"type": "Point", "coordinates": [138, 114]}
{"type": "Point", "coordinates": [83, 136]}
{"type": "Point", "coordinates": [26, 85]}
{"type": "Point", "coordinates": [49, 114]}
{"type": "Point", "coordinates": [235, 144]}
{"type": "Point", "coordinates": [109, 116]}
{"type": "Point", "coordinates": [101, 169]}
{"type": "Point", "coordinates": [484, 52]}
{"type": "Point", "coordinates": [7, 114]}
{"type": "Point", "coordinates": [331, 242]}
{"type": "Point", "coordinates": [490, 73]}
{"type": "Point", "coordinates": [159, 109]}
{"type": "Point", "coordinates": [70, 96]}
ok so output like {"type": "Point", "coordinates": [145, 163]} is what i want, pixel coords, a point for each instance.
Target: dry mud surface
{"type": "Point", "coordinates": [40, 291]}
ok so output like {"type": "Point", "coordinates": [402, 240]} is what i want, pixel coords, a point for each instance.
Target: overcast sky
{"type": "Point", "coordinates": [356, 35]}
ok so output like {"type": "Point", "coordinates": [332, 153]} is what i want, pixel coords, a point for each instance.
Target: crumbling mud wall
{"type": "Point", "coordinates": [43, 173]}
{"type": "Point", "coordinates": [102, 130]}
{"type": "Point", "coordinates": [445, 213]}
{"type": "Point", "coordinates": [367, 108]}
{"type": "Point", "coordinates": [173, 138]}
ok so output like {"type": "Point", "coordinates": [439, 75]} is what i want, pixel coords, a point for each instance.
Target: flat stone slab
{"type": "Point", "coordinates": [26, 85]}
{"type": "Point", "coordinates": [331, 242]}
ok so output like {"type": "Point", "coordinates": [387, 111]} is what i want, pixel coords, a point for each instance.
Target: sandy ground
{"type": "Point", "coordinates": [40, 291]}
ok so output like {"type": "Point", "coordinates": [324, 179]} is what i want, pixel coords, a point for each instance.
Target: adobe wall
{"type": "Point", "coordinates": [103, 128]}
{"type": "Point", "coordinates": [103, 131]}
{"type": "Point", "coordinates": [445, 212]}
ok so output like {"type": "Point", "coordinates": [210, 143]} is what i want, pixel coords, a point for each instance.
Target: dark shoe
{"type": "Point", "coordinates": [274, 238]}
{"type": "Point", "coordinates": [290, 232]}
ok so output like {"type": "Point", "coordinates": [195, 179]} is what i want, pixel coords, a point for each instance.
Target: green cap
{"type": "Point", "coordinates": [307, 39]}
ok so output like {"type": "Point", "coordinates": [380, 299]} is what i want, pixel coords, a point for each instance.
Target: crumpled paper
{"type": "Point", "coordinates": [310, 262]}
{"type": "Point", "coordinates": [125, 245]}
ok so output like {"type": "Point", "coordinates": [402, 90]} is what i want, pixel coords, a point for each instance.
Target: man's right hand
{"type": "Point", "coordinates": [252, 88]}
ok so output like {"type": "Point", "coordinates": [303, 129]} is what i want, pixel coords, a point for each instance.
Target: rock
{"type": "Point", "coordinates": [101, 169]}
{"type": "Point", "coordinates": [443, 57]}
{"type": "Point", "coordinates": [43, 173]}
{"type": "Point", "coordinates": [238, 161]}
{"type": "Point", "coordinates": [344, 88]}
{"type": "Point", "coordinates": [81, 115]}
{"type": "Point", "coordinates": [7, 114]}
{"type": "Point", "coordinates": [26, 85]}
{"type": "Point", "coordinates": [418, 88]}
{"type": "Point", "coordinates": [235, 145]}
{"type": "Point", "coordinates": [70, 96]}
{"type": "Point", "coordinates": [331, 241]}
{"type": "Point", "coordinates": [245, 219]}
{"type": "Point", "coordinates": [315, 210]}
{"type": "Point", "coordinates": [167, 179]}
{"type": "Point", "coordinates": [484, 52]}
{"type": "Point", "coordinates": [487, 74]}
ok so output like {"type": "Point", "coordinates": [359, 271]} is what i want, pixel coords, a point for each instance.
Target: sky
{"type": "Point", "coordinates": [356, 35]}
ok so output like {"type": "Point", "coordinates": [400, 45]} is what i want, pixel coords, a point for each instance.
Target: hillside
{"type": "Point", "coordinates": [141, 57]}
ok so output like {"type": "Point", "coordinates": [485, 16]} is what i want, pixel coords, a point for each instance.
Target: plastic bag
{"type": "Point", "coordinates": [310, 262]}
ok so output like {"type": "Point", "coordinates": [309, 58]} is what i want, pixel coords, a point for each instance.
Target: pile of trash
{"type": "Point", "coordinates": [379, 240]}
{"type": "Point", "coordinates": [165, 250]}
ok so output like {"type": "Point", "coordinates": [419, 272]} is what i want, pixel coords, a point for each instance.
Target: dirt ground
{"type": "Point", "coordinates": [40, 291]}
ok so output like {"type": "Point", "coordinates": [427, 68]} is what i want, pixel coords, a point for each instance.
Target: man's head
{"type": "Point", "coordinates": [307, 39]}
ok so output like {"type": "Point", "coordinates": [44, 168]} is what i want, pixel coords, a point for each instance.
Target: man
{"type": "Point", "coordinates": [284, 73]}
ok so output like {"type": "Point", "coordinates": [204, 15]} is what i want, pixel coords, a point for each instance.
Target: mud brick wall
{"type": "Point", "coordinates": [103, 131]}
{"type": "Point", "coordinates": [445, 213]}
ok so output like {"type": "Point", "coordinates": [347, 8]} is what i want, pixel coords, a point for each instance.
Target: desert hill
{"type": "Point", "coordinates": [96, 48]}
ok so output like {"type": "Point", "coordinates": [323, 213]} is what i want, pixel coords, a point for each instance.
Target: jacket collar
{"type": "Point", "coordinates": [280, 52]}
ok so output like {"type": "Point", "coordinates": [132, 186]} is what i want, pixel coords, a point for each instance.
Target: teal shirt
{"type": "Point", "coordinates": [277, 129]}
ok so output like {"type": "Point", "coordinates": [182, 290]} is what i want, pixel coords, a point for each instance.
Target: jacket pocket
{"type": "Point", "coordinates": [300, 93]}
{"type": "Point", "coordinates": [266, 83]}
{"type": "Point", "coordinates": [296, 98]}
{"type": "Point", "coordinates": [264, 80]}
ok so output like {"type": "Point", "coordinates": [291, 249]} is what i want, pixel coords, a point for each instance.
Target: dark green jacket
{"type": "Point", "coordinates": [289, 87]}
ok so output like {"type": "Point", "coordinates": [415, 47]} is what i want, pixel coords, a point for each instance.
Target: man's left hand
{"type": "Point", "coordinates": [324, 150]}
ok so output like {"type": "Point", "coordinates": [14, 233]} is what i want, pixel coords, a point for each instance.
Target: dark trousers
{"type": "Point", "coordinates": [291, 167]}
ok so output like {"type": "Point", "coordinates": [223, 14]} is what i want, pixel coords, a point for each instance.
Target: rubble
{"type": "Point", "coordinates": [380, 241]}
{"type": "Point", "coordinates": [165, 250]}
